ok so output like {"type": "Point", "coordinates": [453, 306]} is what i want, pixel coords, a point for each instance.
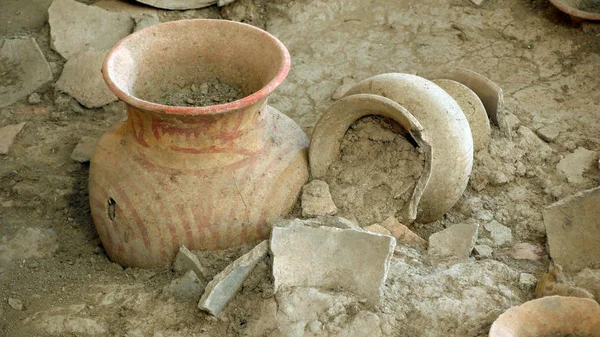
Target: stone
{"type": "Point", "coordinates": [18, 16]}
{"type": "Point", "coordinates": [187, 288]}
{"type": "Point", "coordinates": [7, 136]}
{"type": "Point", "coordinates": [24, 69]}
{"type": "Point", "coordinates": [499, 233]}
{"type": "Point", "coordinates": [34, 99]}
{"type": "Point", "coordinates": [179, 4]}
{"type": "Point", "coordinates": [377, 229]}
{"type": "Point", "coordinates": [456, 241]}
{"type": "Point", "coordinates": [84, 150]}
{"type": "Point", "coordinates": [222, 3]}
{"type": "Point", "coordinates": [478, 2]}
{"type": "Point", "coordinates": [82, 79]}
{"type": "Point", "coordinates": [15, 304]}
{"type": "Point", "coordinates": [28, 243]}
{"type": "Point", "coordinates": [531, 141]}
{"type": "Point", "coordinates": [573, 229]}
{"type": "Point", "coordinates": [483, 251]}
{"type": "Point", "coordinates": [316, 199]}
{"type": "Point", "coordinates": [513, 121]}
{"type": "Point", "coordinates": [573, 165]}
{"type": "Point", "coordinates": [145, 20]}
{"type": "Point", "coordinates": [402, 233]}
{"type": "Point", "coordinates": [224, 285]}
{"type": "Point", "coordinates": [75, 28]}
{"type": "Point", "coordinates": [549, 133]}
{"type": "Point", "coordinates": [185, 261]}
{"type": "Point", "coordinates": [589, 279]}
{"type": "Point", "coordinates": [331, 258]}
{"type": "Point", "coordinates": [526, 251]}
{"type": "Point", "coordinates": [347, 83]}
{"type": "Point", "coordinates": [527, 281]}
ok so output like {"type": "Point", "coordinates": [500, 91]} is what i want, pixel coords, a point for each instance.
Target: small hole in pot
{"type": "Point", "coordinates": [111, 205]}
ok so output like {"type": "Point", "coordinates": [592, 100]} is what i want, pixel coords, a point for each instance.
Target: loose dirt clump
{"type": "Point", "coordinates": [376, 172]}
{"type": "Point", "coordinates": [213, 92]}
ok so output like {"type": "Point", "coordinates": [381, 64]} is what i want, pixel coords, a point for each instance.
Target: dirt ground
{"type": "Point", "coordinates": [52, 260]}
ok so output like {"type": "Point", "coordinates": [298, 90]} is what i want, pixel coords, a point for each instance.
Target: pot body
{"type": "Point", "coordinates": [205, 182]}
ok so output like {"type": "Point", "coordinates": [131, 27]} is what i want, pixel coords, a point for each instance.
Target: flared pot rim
{"type": "Point", "coordinates": [246, 101]}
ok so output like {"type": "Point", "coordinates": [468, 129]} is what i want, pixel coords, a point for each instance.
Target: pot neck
{"type": "Point", "coordinates": [221, 137]}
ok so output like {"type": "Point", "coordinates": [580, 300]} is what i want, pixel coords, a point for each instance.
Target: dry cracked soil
{"type": "Point", "coordinates": [56, 279]}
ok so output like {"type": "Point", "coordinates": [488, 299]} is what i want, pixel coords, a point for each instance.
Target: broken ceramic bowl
{"type": "Point", "coordinates": [579, 10]}
{"type": "Point", "coordinates": [332, 126]}
{"type": "Point", "coordinates": [449, 136]}
{"type": "Point", "coordinates": [550, 316]}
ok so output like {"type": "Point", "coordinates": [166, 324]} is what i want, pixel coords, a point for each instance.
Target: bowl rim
{"type": "Point", "coordinates": [574, 11]}
{"type": "Point", "coordinates": [139, 103]}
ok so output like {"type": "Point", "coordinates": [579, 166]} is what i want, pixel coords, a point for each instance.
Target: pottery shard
{"type": "Point", "coordinates": [186, 261]}
{"type": "Point", "coordinates": [549, 133]}
{"type": "Point", "coordinates": [179, 4]}
{"type": "Point", "coordinates": [18, 16]}
{"type": "Point", "coordinates": [456, 241]}
{"type": "Point", "coordinates": [8, 135]}
{"type": "Point", "coordinates": [316, 199]}
{"type": "Point", "coordinates": [223, 286]}
{"type": "Point", "coordinates": [483, 251]}
{"type": "Point", "coordinates": [24, 69]}
{"type": "Point", "coordinates": [526, 251]}
{"type": "Point", "coordinates": [499, 233]}
{"type": "Point", "coordinates": [15, 304]}
{"type": "Point", "coordinates": [573, 229]}
{"type": "Point", "coordinates": [573, 165]}
{"type": "Point", "coordinates": [473, 109]}
{"type": "Point", "coordinates": [402, 234]}
{"type": "Point", "coordinates": [332, 258]}
{"type": "Point", "coordinates": [131, 8]}
{"type": "Point", "coordinates": [187, 288]}
{"type": "Point", "coordinates": [75, 28]}
{"type": "Point", "coordinates": [82, 79]}
{"type": "Point", "coordinates": [84, 150]}
{"type": "Point", "coordinates": [377, 229]}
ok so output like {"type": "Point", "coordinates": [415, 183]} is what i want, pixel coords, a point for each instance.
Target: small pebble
{"type": "Point", "coordinates": [527, 281]}
{"type": "Point", "coordinates": [34, 99]}
{"type": "Point", "coordinates": [15, 304]}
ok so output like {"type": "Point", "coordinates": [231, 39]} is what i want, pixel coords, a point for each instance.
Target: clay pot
{"type": "Point", "coordinates": [204, 177]}
{"type": "Point", "coordinates": [550, 316]}
{"type": "Point", "coordinates": [332, 126]}
{"type": "Point", "coordinates": [450, 137]}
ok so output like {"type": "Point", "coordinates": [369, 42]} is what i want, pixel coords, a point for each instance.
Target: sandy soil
{"type": "Point", "coordinates": [53, 262]}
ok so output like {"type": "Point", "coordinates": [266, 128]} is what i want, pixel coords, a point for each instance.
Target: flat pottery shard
{"type": "Point", "coordinates": [456, 241]}
{"type": "Point", "coordinates": [179, 4]}
{"type": "Point", "coordinates": [23, 68]}
{"type": "Point", "coordinates": [573, 165]}
{"type": "Point", "coordinates": [226, 284]}
{"type": "Point", "coordinates": [75, 27]}
{"type": "Point", "coordinates": [126, 7]}
{"type": "Point", "coordinates": [332, 258]}
{"type": "Point", "coordinates": [472, 108]}
{"type": "Point", "coordinates": [550, 316]}
{"type": "Point", "coordinates": [573, 229]}
{"type": "Point", "coordinates": [82, 79]}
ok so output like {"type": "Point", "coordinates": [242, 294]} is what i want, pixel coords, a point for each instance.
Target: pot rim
{"type": "Point", "coordinates": [566, 7]}
{"type": "Point", "coordinates": [202, 110]}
